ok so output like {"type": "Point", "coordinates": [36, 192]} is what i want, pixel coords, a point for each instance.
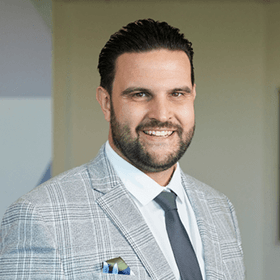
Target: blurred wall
{"type": "Point", "coordinates": [270, 144]}
{"type": "Point", "coordinates": [235, 148]}
{"type": "Point", "coordinates": [25, 97]}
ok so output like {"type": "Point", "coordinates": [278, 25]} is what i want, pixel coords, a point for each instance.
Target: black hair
{"type": "Point", "coordinates": [136, 37]}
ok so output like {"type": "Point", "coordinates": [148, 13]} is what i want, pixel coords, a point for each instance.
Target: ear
{"type": "Point", "coordinates": [194, 90]}
{"type": "Point", "coordinates": [103, 98]}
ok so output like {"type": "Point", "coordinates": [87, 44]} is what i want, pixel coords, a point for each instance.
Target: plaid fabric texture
{"type": "Point", "coordinates": [66, 228]}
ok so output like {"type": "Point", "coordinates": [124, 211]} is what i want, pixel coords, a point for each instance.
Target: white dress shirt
{"type": "Point", "coordinates": [143, 190]}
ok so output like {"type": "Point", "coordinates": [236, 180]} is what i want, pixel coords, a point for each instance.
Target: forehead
{"type": "Point", "coordinates": [152, 67]}
{"type": "Point", "coordinates": [151, 57]}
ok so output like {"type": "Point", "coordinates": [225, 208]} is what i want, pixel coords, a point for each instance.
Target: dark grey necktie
{"type": "Point", "coordinates": [180, 243]}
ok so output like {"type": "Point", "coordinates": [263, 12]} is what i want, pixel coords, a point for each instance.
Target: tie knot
{"type": "Point", "coordinates": [167, 201]}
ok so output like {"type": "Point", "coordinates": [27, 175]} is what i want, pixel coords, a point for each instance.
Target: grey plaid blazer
{"type": "Point", "coordinates": [66, 228]}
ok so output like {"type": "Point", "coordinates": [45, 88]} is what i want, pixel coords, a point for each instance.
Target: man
{"type": "Point", "coordinates": [132, 202]}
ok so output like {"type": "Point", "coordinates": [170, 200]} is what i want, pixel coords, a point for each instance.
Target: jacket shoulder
{"type": "Point", "coordinates": [69, 184]}
{"type": "Point", "coordinates": [194, 184]}
{"type": "Point", "coordinates": [60, 183]}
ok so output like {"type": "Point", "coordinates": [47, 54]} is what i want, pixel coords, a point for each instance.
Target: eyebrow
{"type": "Point", "coordinates": [133, 89]}
{"type": "Point", "coordinates": [139, 89]}
{"type": "Point", "coordinates": [186, 89]}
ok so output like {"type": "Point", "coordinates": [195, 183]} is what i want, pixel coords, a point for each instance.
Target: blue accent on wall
{"type": "Point", "coordinates": [47, 175]}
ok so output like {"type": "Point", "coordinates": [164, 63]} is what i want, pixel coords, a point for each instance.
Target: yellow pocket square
{"type": "Point", "coordinates": [116, 266]}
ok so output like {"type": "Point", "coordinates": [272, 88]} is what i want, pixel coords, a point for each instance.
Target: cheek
{"type": "Point", "coordinates": [131, 115]}
{"type": "Point", "coordinates": [187, 114]}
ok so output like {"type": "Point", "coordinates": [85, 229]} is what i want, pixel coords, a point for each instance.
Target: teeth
{"type": "Point", "coordinates": [159, 133]}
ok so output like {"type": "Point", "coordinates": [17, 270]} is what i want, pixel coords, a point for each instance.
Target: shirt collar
{"type": "Point", "coordinates": [141, 186]}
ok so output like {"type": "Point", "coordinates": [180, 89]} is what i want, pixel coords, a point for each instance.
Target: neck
{"type": "Point", "coordinates": [162, 178]}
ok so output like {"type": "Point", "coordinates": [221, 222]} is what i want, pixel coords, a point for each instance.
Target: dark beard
{"type": "Point", "coordinates": [135, 152]}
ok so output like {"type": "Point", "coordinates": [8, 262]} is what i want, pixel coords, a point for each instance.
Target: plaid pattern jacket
{"type": "Point", "coordinates": [66, 228]}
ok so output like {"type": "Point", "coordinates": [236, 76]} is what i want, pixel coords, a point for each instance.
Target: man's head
{"type": "Point", "coordinates": [137, 37]}
{"type": "Point", "coordinates": [149, 98]}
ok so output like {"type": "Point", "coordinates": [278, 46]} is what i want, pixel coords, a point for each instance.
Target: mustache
{"type": "Point", "coordinates": [158, 124]}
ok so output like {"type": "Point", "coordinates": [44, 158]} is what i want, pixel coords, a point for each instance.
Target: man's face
{"type": "Point", "coordinates": [152, 108]}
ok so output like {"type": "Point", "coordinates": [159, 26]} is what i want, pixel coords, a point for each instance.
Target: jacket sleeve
{"type": "Point", "coordinates": [240, 268]}
{"type": "Point", "coordinates": [236, 227]}
{"type": "Point", "coordinates": [27, 247]}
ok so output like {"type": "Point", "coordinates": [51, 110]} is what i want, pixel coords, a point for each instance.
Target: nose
{"type": "Point", "coordinates": [160, 109]}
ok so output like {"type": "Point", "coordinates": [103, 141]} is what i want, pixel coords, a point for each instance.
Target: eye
{"type": "Point", "coordinates": [140, 94]}
{"type": "Point", "coordinates": [177, 94]}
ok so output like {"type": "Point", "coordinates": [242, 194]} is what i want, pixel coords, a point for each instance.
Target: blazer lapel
{"type": "Point", "coordinates": [207, 229]}
{"type": "Point", "coordinates": [120, 208]}
{"type": "Point", "coordinates": [118, 205]}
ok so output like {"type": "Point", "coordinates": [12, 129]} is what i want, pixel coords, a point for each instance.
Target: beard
{"type": "Point", "coordinates": [135, 151]}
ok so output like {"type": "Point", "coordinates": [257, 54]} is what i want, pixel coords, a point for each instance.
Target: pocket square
{"type": "Point", "coordinates": [116, 266]}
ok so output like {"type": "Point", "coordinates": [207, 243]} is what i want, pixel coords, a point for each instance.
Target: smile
{"type": "Point", "coordinates": [158, 133]}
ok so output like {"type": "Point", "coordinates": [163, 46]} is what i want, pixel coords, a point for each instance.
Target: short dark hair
{"type": "Point", "coordinates": [136, 37]}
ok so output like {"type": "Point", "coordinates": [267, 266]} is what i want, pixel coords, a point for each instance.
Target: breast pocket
{"type": "Point", "coordinates": [108, 276]}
